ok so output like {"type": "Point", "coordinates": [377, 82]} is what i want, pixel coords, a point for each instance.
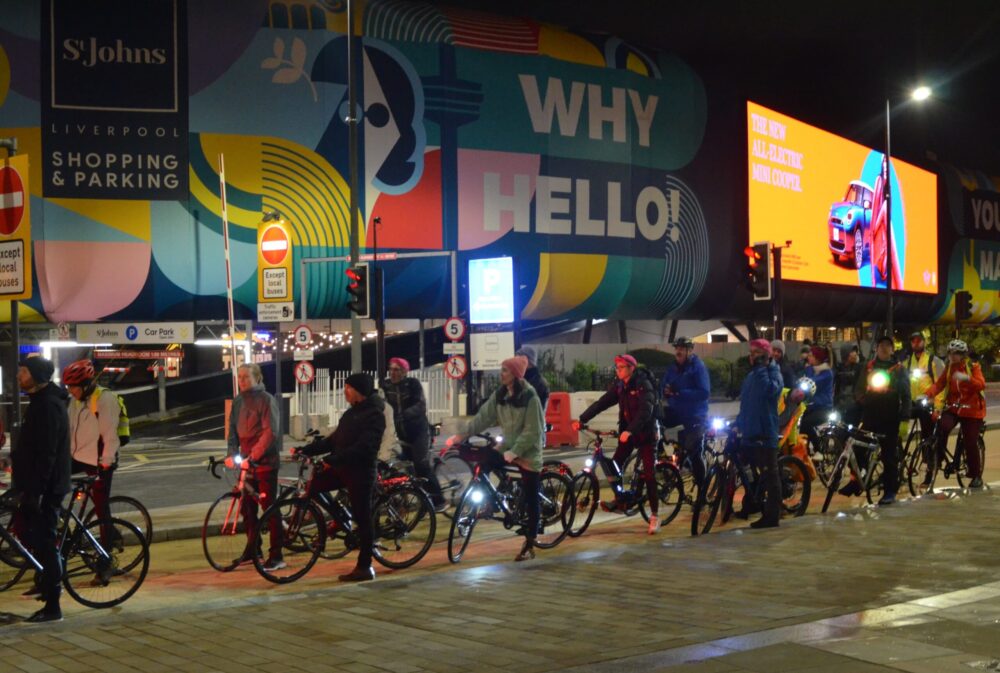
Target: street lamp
{"type": "Point", "coordinates": [921, 93]}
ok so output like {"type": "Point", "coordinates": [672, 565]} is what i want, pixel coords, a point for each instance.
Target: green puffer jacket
{"type": "Point", "coordinates": [520, 417]}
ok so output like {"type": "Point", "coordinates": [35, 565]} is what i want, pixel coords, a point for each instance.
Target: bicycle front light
{"type": "Point", "coordinates": [237, 460]}
{"type": "Point", "coordinates": [833, 417]}
{"type": "Point", "coordinates": [878, 381]}
{"type": "Point", "coordinates": [916, 374]}
{"type": "Point", "coordinates": [718, 423]}
{"type": "Point", "coordinates": [477, 496]}
{"type": "Point", "coordinates": [499, 439]}
{"type": "Point", "coordinates": [589, 462]}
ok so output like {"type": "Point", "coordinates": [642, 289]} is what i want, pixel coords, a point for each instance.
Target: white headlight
{"type": "Point", "coordinates": [237, 459]}
{"type": "Point", "coordinates": [477, 496]}
{"type": "Point", "coordinates": [499, 439]}
{"type": "Point", "coordinates": [833, 417]}
{"type": "Point", "coordinates": [917, 373]}
{"type": "Point", "coordinates": [718, 423]}
{"type": "Point", "coordinates": [589, 462]}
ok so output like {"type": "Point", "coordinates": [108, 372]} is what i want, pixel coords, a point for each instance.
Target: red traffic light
{"type": "Point", "coordinates": [353, 274]}
{"type": "Point", "coordinates": [752, 255]}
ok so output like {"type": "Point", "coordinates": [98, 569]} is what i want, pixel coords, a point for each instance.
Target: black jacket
{"type": "Point", "coordinates": [355, 443]}
{"type": "Point", "coordinates": [409, 410]}
{"type": "Point", "coordinates": [635, 401]}
{"type": "Point", "coordinates": [537, 381]}
{"type": "Point", "coordinates": [41, 459]}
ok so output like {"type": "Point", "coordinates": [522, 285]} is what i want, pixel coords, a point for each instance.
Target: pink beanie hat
{"type": "Point", "coordinates": [516, 365]}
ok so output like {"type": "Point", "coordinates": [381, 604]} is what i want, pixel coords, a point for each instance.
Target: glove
{"type": "Point", "coordinates": [960, 377]}
{"type": "Point", "coordinates": [576, 426]}
{"type": "Point", "coordinates": [624, 437]}
{"type": "Point", "coordinates": [509, 456]}
{"type": "Point", "coordinates": [229, 462]}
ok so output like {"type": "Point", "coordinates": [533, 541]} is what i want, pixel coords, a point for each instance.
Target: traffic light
{"type": "Point", "coordinates": [963, 305]}
{"type": "Point", "coordinates": [758, 270]}
{"type": "Point", "coordinates": [358, 288]}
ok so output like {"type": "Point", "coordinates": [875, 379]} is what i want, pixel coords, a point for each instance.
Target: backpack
{"type": "Point", "coordinates": [643, 371]}
{"type": "Point", "coordinates": [124, 433]}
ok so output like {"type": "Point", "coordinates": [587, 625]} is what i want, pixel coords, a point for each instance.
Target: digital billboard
{"type": "Point", "coordinates": [491, 290]}
{"type": "Point", "coordinates": [826, 195]}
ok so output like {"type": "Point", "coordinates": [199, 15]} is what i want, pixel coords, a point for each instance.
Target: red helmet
{"type": "Point", "coordinates": [79, 373]}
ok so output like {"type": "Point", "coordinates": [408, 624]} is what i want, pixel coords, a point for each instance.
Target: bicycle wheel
{"type": "Point", "coordinates": [302, 537]}
{"type": "Point", "coordinates": [668, 490]}
{"type": "Point", "coordinates": [102, 577]}
{"type": "Point", "coordinates": [338, 542]}
{"type": "Point", "coordinates": [128, 509]}
{"type": "Point", "coordinates": [453, 475]}
{"type": "Point", "coordinates": [922, 470]}
{"type": "Point", "coordinates": [906, 452]}
{"type": "Point", "coordinates": [223, 535]}
{"type": "Point", "coordinates": [706, 504]}
{"type": "Point", "coordinates": [464, 522]}
{"type": "Point", "coordinates": [404, 526]}
{"type": "Point", "coordinates": [824, 456]}
{"type": "Point", "coordinates": [795, 485]}
{"type": "Point", "coordinates": [555, 509]}
{"type": "Point", "coordinates": [835, 476]}
{"type": "Point", "coordinates": [586, 497]}
{"type": "Point", "coordinates": [874, 479]}
{"type": "Point", "coordinates": [13, 564]}
{"type": "Point", "coordinates": [634, 488]}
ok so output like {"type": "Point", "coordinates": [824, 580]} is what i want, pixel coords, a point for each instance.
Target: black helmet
{"type": "Point", "coordinates": [683, 342]}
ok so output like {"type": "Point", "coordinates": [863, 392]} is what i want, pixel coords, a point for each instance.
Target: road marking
{"type": "Point", "coordinates": [192, 434]}
{"type": "Point", "coordinates": [203, 418]}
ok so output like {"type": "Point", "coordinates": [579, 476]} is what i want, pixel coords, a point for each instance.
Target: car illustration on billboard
{"type": "Point", "coordinates": [857, 227]}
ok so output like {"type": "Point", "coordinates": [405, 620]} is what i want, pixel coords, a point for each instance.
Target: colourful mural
{"type": "Point", "coordinates": [480, 134]}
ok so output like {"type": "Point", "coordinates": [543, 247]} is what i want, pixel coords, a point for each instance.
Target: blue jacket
{"type": "Point", "coordinates": [690, 383]}
{"type": "Point", "coordinates": [822, 375]}
{"type": "Point", "coordinates": [758, 417]}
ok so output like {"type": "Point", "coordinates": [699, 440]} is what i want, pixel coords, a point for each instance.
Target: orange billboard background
{"type": "Point", "coordinates": [798, 176]}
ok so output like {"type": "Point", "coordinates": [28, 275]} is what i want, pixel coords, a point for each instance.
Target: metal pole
{"type": "Point", "coordinates": [420, 341]}
{"type": "Point", "coordinates": [352, 125]}
{"type": "Point", "coordinates": [888, 223]}
{"type": "Point", "coordinates": [15, 337]}
{"type": "Point", "coordinates": [454, 312]}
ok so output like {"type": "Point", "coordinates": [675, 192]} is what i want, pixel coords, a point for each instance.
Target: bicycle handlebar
{"type": "Point", "coordinates": [214, 464]}
{"type": "Point", "coordinates": [599, 433]}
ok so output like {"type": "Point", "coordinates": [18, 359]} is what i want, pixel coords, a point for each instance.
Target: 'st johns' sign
{"type": "Point", "coordinates": [115, 100]}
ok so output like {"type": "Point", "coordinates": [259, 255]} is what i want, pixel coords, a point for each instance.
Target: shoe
{"type": "Point", "coordinates": [977, 483]}
{"type": "Point", "coordinates": [274, 564]}
{"type": "Point", "coordinates": [927, 480]}
{"type": "Point", "coordinates": [358, 575]}
{"type": "Point", "coordinates": [852, 488]}
{"type": "Point", "coordinates": [654, 524]}
{"type": "Point", "coordinates": [746, 512]}
{"type": "Point", "coordinates": [887, 499]}
{"type": "Point", "coordinates": [45, 615]}
{"type": "Point", "coordinates": [764, 522]}
{"type": "Point", "coordinates": [611, 506]}
{"type": "Point", "coordinates": [527, 552]}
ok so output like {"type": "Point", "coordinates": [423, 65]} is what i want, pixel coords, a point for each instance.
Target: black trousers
{"type": "Point", "coordinates": [42, 521]}
{"type": "Point", "coordinates": [359, 484]}
{"type": "Point", "coordinates": [418, 453]}
{"type": "Point", "coordinates": [888, 448]}
{"type": "Point", "coordinates": [766, 459]}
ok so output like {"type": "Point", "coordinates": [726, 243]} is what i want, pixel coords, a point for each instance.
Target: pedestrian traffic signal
{"type": "Point", "coordinates": [359, 290]}
{"type": "Point", "coordinates": [758, 270]}
{"type": "Point", "coordinates": [963, 305]}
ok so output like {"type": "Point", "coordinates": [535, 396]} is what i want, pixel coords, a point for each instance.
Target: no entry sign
{"type": "Point", "coordinates": [274, 245]}
{"type": "Point", "coordinates": [15, 229]}
{"type": "Point", "coordinates": [12, 199]}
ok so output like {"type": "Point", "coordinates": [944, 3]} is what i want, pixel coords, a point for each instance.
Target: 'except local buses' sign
{"type": "Point", "coordinates": [15, 229]}
{"type": "Point", "coordinates": [274, 262]}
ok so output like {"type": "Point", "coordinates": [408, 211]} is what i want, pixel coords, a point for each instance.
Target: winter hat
{"type": "Point", "coordinates": [627, 359]}
{"type": "Point", "coordinates": [777, 345]}
{"type": "Point", "coordinates": [403, 364]}
{"type": "Point", "coordinates": [40, 368]}
{"type": "Point", "coordinates": [528, 352]}
{"type": "Point", "coordinates": [516, 365]}
{"type": "Point", "coordinates": [762, 344]}
{"type": "Point", "coordinates": [819, 353]}
{"type": "Point", "coordinates": [363, 383]}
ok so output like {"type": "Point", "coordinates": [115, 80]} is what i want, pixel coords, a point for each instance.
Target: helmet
{"type": "Point", "coordinates": [683, 342]}
{"type": "Point", "coordinates": [958, 346]}
{"type": "Point", "coordinates": [79, 373]}
{"type": "Point", "coordinates": [806, 385]}
{"type": "Point", "coordinates": [917, 335]}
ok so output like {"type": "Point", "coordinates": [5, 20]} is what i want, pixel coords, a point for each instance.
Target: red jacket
{"type": "Point", "coordinates": [968, 392]}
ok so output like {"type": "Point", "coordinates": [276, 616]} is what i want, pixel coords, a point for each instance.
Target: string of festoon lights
{"type": "Point", "coordinates": [264, 342]}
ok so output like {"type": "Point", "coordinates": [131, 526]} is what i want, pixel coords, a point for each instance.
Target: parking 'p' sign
{"type": "Point", "coordinates": [454, 329]}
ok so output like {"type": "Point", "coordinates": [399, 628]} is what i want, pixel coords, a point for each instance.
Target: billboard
{"type": "Point", "coordinates": [491, 290]}
{"type": "Point", "coordinates": [827, 196]}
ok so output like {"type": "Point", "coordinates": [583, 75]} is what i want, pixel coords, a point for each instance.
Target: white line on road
{"type": "Point", "coordinates": [204, 418]}
{"type": "Point", "coordinates": [192, 434]}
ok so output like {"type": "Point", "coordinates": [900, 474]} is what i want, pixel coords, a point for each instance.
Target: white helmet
{"type": "Point", "coordinates": [807, 386]}
{"type": "Point", "coordinates": [958, 346]}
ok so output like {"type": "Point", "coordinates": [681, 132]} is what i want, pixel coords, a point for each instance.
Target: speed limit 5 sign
{"type": "Point", "coordinates": [454, 328]}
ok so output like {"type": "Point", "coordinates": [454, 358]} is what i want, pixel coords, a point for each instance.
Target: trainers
{"type": "Point", "coordinates": [654, 524]}
{"type": "Point", "coordinates": [358, 575]}
{"type": "Point", "coordinates": [852, 488]}
{"type": "Point", "coordinates": [888, 498]}
{"type": "Point", "coordinates": [611, 505]}
{"type": "Point", "coordinates": [527, 552]}
{"type": "Point", "coordinates": [976, 483]}
{"type": "Point", "coordinates": [45, 615]}
{"type": "Point", "coordinates": [764, 522]}
{"type": "Point", "coordinates": [274, 564]}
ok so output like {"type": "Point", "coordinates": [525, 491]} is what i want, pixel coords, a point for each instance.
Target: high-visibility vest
{"type": "Point", "coordinates": [124, 432]}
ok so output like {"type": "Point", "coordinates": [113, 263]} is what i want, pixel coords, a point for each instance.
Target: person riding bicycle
{"type": "Point", "coordinates": [962, 381]}
{"type": "Point", "coordinates": [792, 404]}
{"type": "Point", "coordinates": [255, 436]}
{"type": "Point", "coordinates": [819, 409]}
{"type": "Point", "coordinates": [93, 430]}
{"type": "Point", "coordinates": [635, 398]}
{"type": "Point", "coordinates": [884, 395]}
{"type": "Point", "coordinates": [924, 368]}
{"type": "Point", "coordinates": [405, 395]}
{"type": "Point", "coordinates": [515, 407]}
{"type": "Point", "coordinates": [40, 463]}
{"type": "Point", "coordinates": [686, 389]}
{"type": "Point", "coordinates": [352, 452]}
{"type": "Point", "coordinates": [757, 423]}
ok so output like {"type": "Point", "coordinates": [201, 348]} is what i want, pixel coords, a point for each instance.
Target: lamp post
{"type": "Point", "coordinates": [921, 93]}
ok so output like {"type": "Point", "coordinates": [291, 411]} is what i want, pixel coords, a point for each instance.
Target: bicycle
{"type": "Point", "coordinates": [450, 471]}
{"type": "Point", "coordinates": [867, 473]}
{"type": "Point", "coordinates": [729, 470]}
{"type": "Point", "coordinates": [502, 502]}
{"type": "Point", "coordinates": [121, 507]}
{"type": "Point", "coordinates": [587, 487]}
{"type": "Point", "coordinates": [929, 459]}
{"type": "Point", "coordinates": [672, 450]}
{"type": "Point", "coordinates": [95, 575]}
{"type": "Point", "coordinates": [404, 524]}
{"type": "Point", "coordinates": [914, 439]}
{"type": "Point", "coordinates": [823, 453]}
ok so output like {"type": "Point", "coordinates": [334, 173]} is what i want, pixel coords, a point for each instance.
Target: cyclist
{"type": "Point", "coordinates": [686, 389]}
{"type": "Point", "coordinates": [818, 410]}
{"type": "Point", "coordinates": [791, 405]}
{"type": "Point", "coordinates": [635, 397]}
{"type": "Point", "coordinates": [93, 429]}
{"type": "Point", "coordinates": [255, 435]}
{"type": "Point", "coordinates": [515, 407]}
{"type": "Point", "coordinates": [884, 395]}
{"type": "Point", "coordinates": [757, 423]}
{"type": "Point", "coordinates": [405, 395]}
{"type": "Point", "coordinates": [352, 452]}
{"type": "Point", "coordinates": [963, 380]}
{"type": "Point", "coordinates": [849, 370]}
{"type": "Point", "coordinates": [924, 368]}
{"type": "Point", "coordinates": [40, 465]}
